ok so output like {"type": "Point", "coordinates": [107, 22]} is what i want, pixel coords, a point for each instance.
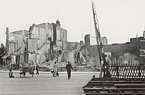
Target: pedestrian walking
{"type": "Point", "coordinates": [10, 71]}
{"type": "Point", "coordinates": [11, 74]}
{"type": "Point", "coordinates": [37, 69]}
{"type": "Point", "coordinates": [55, 70]}
{"type": "Point", "coordinates": [69, 68]}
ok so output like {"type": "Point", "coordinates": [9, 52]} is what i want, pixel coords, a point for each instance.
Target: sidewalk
{"type": "Point", "coordinates": [44, 84]}
{"type": "Point", "coordinates": [17, 71]}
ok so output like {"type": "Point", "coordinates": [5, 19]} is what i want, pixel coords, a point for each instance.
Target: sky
{"type": "Point", "coordinates": [119, 20]}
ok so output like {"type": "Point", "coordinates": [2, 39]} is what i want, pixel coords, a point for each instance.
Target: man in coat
{"type": "Point", "coordinates": [69, 68]}
{"type": "Point", "coordinates": [37, 69]}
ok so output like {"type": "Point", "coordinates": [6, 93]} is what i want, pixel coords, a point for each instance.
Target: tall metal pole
{"type": "Point", "coordinates": [98, 37]}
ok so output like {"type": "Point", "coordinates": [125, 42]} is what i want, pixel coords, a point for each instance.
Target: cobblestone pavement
{"type": "Point", "coordinates": [44, 84]}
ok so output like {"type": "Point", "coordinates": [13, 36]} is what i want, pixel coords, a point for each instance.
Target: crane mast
{"type": "Point", "coordinates": [98, 37]}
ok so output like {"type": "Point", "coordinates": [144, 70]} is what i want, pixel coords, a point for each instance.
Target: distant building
{"type": "Point", "coordinates": [38, 37]}
{"type": "Point", "coordinates": [104, 40]}
{"type": "Point", "coordinates": [81, 43]}
{"type": "Point", "coordinates": [46, 31]}
{"type": "Point", "coordinates": [72, 45]}
{"type": "Point", "coordinates": [87, 40]}
{"type": "Point", "coordinates": [139, 44]}
{"type": "Point", "coordinates": [43, 34]}
{"type": "Point", "coordinates": [70, 51]}
{"type": "Point", "coordinates": [16, 45]}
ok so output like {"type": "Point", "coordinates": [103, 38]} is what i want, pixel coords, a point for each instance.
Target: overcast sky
{"type": "Point", "coordinates": [119, 19]}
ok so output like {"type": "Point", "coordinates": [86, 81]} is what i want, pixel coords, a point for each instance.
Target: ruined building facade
{"type": "Point", "coordinates": [37, 41]}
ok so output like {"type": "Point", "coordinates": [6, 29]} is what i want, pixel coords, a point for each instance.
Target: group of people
{"type": "Point", "coordinates": [31, 71]}
{"type": "Point", "coordinates": [69, 68]}
{"type": "Point", "coordinates": [54, 70]}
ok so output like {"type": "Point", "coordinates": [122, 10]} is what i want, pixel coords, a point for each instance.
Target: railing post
{"type": "Point", "coordinates": [117, 70]}
{"type": "Point", "coordinates": [139, 73]}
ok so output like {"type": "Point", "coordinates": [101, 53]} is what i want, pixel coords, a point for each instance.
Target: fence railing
{"type": "Point", "coordinates": [127, 70]}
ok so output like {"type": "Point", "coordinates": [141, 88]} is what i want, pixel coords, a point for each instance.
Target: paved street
{"type": "Point", "coordinates": [44, 84]}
